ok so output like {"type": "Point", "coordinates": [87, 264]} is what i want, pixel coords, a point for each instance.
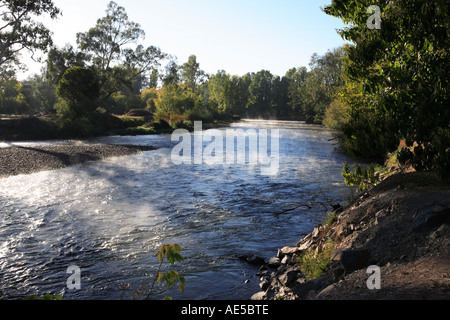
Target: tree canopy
{"type": "Point", "coordinates": [401, 72]}
{"type": "Point", "coordinates": [20, 31]}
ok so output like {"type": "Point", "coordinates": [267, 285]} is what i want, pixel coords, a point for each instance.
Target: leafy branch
{"type": "Point", "coordinates": [171, 253]}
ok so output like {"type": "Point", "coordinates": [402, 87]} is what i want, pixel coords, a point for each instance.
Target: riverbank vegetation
{"type": "Point", "coordinates": [98, 86]}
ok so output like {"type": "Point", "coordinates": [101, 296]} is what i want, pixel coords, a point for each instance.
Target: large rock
{"type": "Point", "coordinates": [351, 260]}
{"type": "Point", "coordinates": [288, 277]}
{"type": "Point", "coordinates": [431, 217]}
{"type": "Point", "coordinates": [288, 251]}
{"type": "Point", "coordinates": [274, 262]}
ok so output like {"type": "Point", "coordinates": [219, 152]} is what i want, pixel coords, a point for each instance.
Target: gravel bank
{"type": "Point", "coordinates": [26, 160]}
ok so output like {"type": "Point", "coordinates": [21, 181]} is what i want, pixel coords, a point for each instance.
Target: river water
{"type": "Point", "coordinates": [109, 217]}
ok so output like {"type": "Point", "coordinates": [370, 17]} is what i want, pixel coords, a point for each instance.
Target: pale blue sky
{"type": "Point", "coordinates": [237, 36]}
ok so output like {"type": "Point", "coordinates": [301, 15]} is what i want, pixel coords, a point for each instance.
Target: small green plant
{"type": "Point", "coordinates": [313, 261]}
{"type": "Point", "coordinates": [363, 179]}
{"type": "Point", "coordinates": [331, 217]}
{"type": "Point", "coordinates": [170, 278]}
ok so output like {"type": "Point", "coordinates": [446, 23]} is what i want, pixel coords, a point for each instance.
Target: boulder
{"type": "Point", "coordinates": [288, 277]}
{"type": "Point", "coordinates": [288, 251]}
{"type": "Point", "coordinates": [351, 260]}
{"type": "Point", "coordinates": [258, 296]}
{"type": "Point", "coordinates": [431, 217]}
{"type": "Point", "coordinates": [274, 262]}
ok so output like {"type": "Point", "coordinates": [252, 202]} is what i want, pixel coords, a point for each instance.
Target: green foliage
{"type": "Point", "coordinates": [191, 73]}
{"type": "Point", "coordinates": [59, 60]}
{"type": "Point", "coordinates": [171, 253]}
{"type": "Point", "coordinates": [363, 179]}
{"type": "Point", "coordinates": [435, 155]}
{"type": "Point", "coordinates": [112, 45]}
{"type": "Point", "coordinates": [78, 92]}
{"type": "Point", "coordinates": [162, 125]}
{"type": "Point", "coordinates": [20, 32]}
{"type": "Point", "coordinates": [403, 73]}
{"type": "Point", "coordinates": [314, 261]}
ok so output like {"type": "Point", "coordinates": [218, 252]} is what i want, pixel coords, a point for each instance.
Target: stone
{"type": "Point", "coordinates": [305, 243]}
{"type": "Point", "coordinates": [288, 277]}
{"type": "Point", "coordinates": [326, 291]}
{"type": "Point", "coordinates": [431, 217]}
{"type": "Point", "coordinates": [258, 296]}
{"type": "Point", "coordinates": [441, 231]}
{"type": "Point", "coordinates": [316, 231]}
{"type": "Point", "coordinates": [264, 284]}
{"type": "Point", "coordinates": [303, 289]}
{"type": "Point", "coordinates": [274, 262]}
{"type": "Point", "coordinates": [286, 260]}
{"type": "Point", "coordinates": [351, 260]}
{"type": "Point", "coordinates": [288, 251]}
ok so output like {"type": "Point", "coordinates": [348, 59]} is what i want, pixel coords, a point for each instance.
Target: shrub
{"type": "Point", "coordinates": [364, 179]}
{"type": "Point", "coordinates": [313, 262]}
{"type": "Point", "coordinates": [78, 93]}
{"type": "Point", "coordinates": [162, 125]}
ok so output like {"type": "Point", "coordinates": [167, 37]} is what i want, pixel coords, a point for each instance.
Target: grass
{"type": "Point", "coordinates": [313, 262]}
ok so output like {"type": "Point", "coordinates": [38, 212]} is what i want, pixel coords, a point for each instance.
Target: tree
{"type": "Point", "coordinates": [20, 32]}
{"type": "Point", "coordinates": [12, 100]}
{"type": "Point", "coordinates": [217, 84]}
{"type": "Point", "coordinates": [403, 70]}
{"type": "Point", "coordinates": [191, 73]}
{"type": "Point", "coordinates": [260, 94]}
{"type": "Point", "coordinates": [59, 60]}
{"type": "Point", "coordinates": [296, 78]}
{"type": "Point", "coordinates": [170, 80]}
{"type": "Point", "coordinates": [78, 92]}
{"type": "Point", "coordinates": [153, 81]}
{"type": "Point", "coordinates": [39, 94]}
{"type": "Point", "coordinates": [110, 47]}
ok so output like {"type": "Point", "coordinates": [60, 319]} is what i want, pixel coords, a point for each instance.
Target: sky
{"type": "Point", "coordinates": [238, 36]}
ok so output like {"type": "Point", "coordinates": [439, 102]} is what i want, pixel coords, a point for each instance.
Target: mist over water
{"type": "Point", "coordinates": [109, 217]}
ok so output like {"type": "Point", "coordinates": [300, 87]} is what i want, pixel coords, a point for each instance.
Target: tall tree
{"type": "Point", "coordinates": [217, 84]}
{"type": "Point", "coordinates": [19, 31]}
{"type": "Point", "coordinates": [170, 80]}
{"type": "Point", "coordinates": [110, 46]}
{"type": "Point", "coordinates": [260, 94]}
{"type": "Point", "coordinates": [191, 73]}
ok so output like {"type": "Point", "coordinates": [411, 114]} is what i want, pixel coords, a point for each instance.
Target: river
{"type": "Point", "coordinates": [109, 217]}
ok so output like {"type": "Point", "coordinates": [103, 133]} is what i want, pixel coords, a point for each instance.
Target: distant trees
{"type": "Point", "coordinates": [110, 60]}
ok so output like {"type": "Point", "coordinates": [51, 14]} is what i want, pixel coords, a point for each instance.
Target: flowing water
{"type": "Point", "coordinates": [109, 217]}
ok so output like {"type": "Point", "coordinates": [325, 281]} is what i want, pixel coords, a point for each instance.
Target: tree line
{"type": "Point", "coordinates": [130, 76]}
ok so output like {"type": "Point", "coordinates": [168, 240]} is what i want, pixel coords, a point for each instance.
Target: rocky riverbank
{"type": "Point", "coordinates": [26, 160]}
{"type": "Point", "coordinates": [401, 226]}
